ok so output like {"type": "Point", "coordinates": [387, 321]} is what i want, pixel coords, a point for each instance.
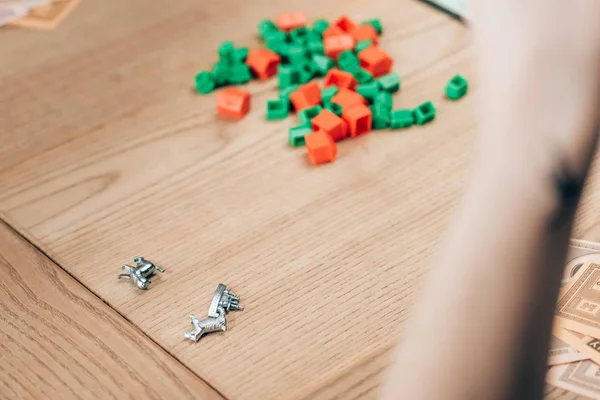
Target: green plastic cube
{"type": "Point", "coordinates": [376, 23]}
{"type": "Point", "coordinates": [284, 95]}
{"type": "Point", "coordinates": [307, 114]}
{"type": "Point", "coordinates": [284, 51]}
{"type": "Point", "coordinates": [205, 82]}
{"type": "Point", "coordinates": [299, 35]}
{"type": "Point", "coordinates": [384, 98]}
{"type": "Point", "coordinates": [265, 27]}
{"type": "Point", "coordinates": [389, 82]}
{"type": "Point", "coordinates": [296, 134]}
{"type": "Point", "coordinates": [288, 76]}
{"type": "Point", "coordinates": [239, 73]}
{"type": "Point", "coordinates": [323, 64]}
{"type": "Point", "coordinates": [363, 44]}
{"type": "Point", "coordinates": [320, 26]}
{"type": "Point", "coordinates": [350, 68]}
{"type": "Point", "coordinates": [315, 47]}
{"type": "Point", "coordinates": [362, 75]}
{"type": "Point", "coordinates": [457, 87]}
{"type": "Point", "coordinates": [240, 54]}
{"type": "Point", "coordinates": [334, 108]}
{"type": "Point", "coordinates": [307, 71]}
{"type": "Point", "coordinates": [327, 93]}
{"type": "Point", "coordinates": [401, 119]}
{"type": "Point", "coordinates": [275, 40]}
{"type": "Point", "coordinates": [220, 74]}
{"type": "Point", "coordinates": [313, 36]}
{"type": "Point", "coordinates": [296, 54]}
{"type": "Point", "coordinates": [368, 90]}
{"type": "Point", "coordinates": [348, 61]}
{"type": "Point", "coordinates": [277, 109]}
{"type": "Point", "coordinates": [276, 34]}
{"type": "Point", "coordinates": [226, 50]}
{"type": "Point", "coordinates": [424, 113]}
{"type": "Point", "coordinates": [381, 116]}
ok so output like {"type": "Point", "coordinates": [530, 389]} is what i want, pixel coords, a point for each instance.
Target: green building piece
{"type": "Point", "coordinates": [367, 90]}
{"type": "Point", "coordinates": [376, 23]}
{"type": "Point", "coordinates": [363, 44]}
{"type": "Point", "coordinates": [284, 95]}
{"type": "Point", "coordinates": [275, 34]}
{"type": "Point", "coordinates": [381, 116]}
{"type": "Point", "coordinates": [265, 27]}
{"type": "Point", "coordinates": [315, 47]}
{"type": "Point", "coordinates": [313, 36]}
{"type": "Point", "coordinates": [457, 87]}
{"type": "Point", "coordinates": [362, 75]}
{"type": "Point", "coordinates": [323, 64]}
{"type": "Point", "coordinates": [296, 54]}
{"type": "Point", "coordinates": [220, 74]}
{"type": "Point", "coordinates": [288, 76]}
{"type": "Point", "coordinates": [384, 98]}
{"type": "Point", "coordinates": [307, 114]}
{"type": "Point", "coordinates": [296, 134]}
{"type": "Point", "coordinates": [320, 26]}
{"type": "Point", "coordinates": [327, 93]}
{"type": "Point", "coordinates": [283, 51]}
{"type": "Point", "coordinates": [350, 68]}
{"type": "Point", "coordinates": [205, 82]}
{"type": "Point", "coordinates": [401, 119]}
{"type": "Point", "coordinates": [239, 73]}
{"type": "Point", "coordinates": [276, 109]}
{"type": "Point", "coordinates": [299, 36]}
{"type": "Point", "coordinates": [334, 108]}
{"type": "Point", "coordinates": [389, 82]}
{"type": "Point", "coordinates": [348, 61]}
{"type": "Point", "coordinates": [240, 54]}
{"type": "Point", "coordinates": [275, 40]}
{"type": "Point", "coordinates": [307, 71]}
{"type": "Point", "coordinates": [226, 51]}
{"type": "Point", "coordinates": [424, 113]}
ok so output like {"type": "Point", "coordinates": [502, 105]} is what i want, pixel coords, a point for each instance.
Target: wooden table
{"type": "Point", "coordinates": [107, 153]}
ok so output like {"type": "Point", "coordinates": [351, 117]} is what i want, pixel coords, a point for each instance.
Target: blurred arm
{"type": "Point", "coordinates": [482, 327]}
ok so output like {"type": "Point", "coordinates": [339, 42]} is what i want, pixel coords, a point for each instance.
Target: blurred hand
{"type": "Point", "coordinates": [539, 73]}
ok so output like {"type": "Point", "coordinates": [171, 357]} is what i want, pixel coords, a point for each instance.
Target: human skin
{"type": "Point", "coordinates": [482, 326]}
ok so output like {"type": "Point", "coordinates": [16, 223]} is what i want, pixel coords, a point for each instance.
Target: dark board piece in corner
{"type": "Point", "coordinates": [445, 11]}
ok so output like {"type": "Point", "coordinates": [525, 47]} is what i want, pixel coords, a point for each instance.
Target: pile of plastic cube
{"type": "Point", "coordinates": [356, 95]}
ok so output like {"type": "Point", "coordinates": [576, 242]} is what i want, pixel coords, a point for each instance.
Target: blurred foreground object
{"type": "Point", "coordinates": [11, 10]}
{"type": "Point", "coordinates": [456, 8]}
{"type": "Point", "coordinates": [47, 16]}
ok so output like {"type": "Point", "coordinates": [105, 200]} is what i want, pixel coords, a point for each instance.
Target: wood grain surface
{"type": "Point", "coordinates": [109, 154]}
{"type": "Point", "coordinates": [59, 341]}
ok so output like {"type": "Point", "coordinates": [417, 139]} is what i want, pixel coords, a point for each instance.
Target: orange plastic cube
{"type": "Point", "coordinates": [306, 96]}
{"type": "Point", "coordinates": [331, 124]}
{"type": "Point", "coordinates": [334, 45]}
{"type": "Point", "coordinates": [332, 30]}
{"type": "Point", "coordinates": [321, 147]}
{"type": "Point", "coordinates": [263, 62]}
{"type": "Point", "coordinates": [290, 21]}
{"type": "Point", "coordinates": [365, 32]}
{"type": "Point", "coordinates": [359, 118]}
{"type": "Point", "coordinates": [341, 79]}
{"type": "Point", "coordinates": [347, 98]}
{"type": "Point", "coordinates": [345, 127]}
{"type": "Point", "coordinates": [232, 102]}
{"type": "Point", "coordinates": [345, 24]}
{"type": "Point", "coordinates": [375, 60]}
